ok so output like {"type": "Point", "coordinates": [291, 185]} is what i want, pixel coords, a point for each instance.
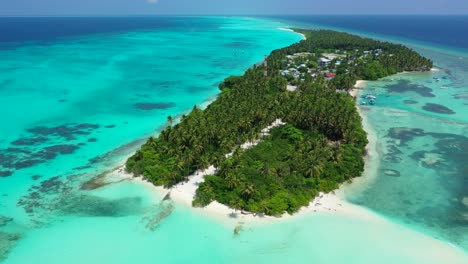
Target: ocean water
{"type": "Point", "coordinates": [446, 31]}
{"type": "Point", "coordinates": [79, 95]}
{"type": "Point", "coordinates": [78, 99]}
{"type": "Point", "coordinates": [421, 122]}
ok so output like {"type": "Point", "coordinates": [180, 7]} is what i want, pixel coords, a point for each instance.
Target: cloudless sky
{"type": "Point", "coordinates": [229, 7]}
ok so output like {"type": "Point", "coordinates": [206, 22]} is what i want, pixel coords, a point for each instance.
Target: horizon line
{"type": "Point", "coordinates": [220, 15]}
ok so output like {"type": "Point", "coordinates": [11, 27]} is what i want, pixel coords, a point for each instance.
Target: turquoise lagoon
{"type": "Point", "coordinates": [76, 107]}
{"type": "Point", "coordinates": [422, 127]}
{"type": "Point", "coordinates": [421, 124]}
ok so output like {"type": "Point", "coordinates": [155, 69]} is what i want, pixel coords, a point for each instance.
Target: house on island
{"type": "Point", "coordinates": [323, 62]}
{"type": "Point", "coordinates": [329, 76]}
{"type": "Point", "coordinates": [285, 72]}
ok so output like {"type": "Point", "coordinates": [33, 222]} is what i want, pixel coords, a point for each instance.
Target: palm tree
{"type": "Point", "coordinates": [198, 148]}
{"type": "Point", "coordinates": [236, 204]}
{"type": "Point", "coordinates": [248, 191]}
{"type": "Point", "coordinates": [264, 208]}
{"type": "Point", "coordinates": [152, 142]}
{"type": "Point", "coordinates": [232, 181]}
{"type": "Point", "coordinates": [170, 120]}
{"type": "Point", "coordinates": [275, 172]}
{"type": "Point", "coordinates": [315, 170]}
{"type": "Point", "coordinates": [203, 162]}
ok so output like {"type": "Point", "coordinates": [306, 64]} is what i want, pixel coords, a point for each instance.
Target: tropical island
{"type": "Point", "coordinates": [315, 139]}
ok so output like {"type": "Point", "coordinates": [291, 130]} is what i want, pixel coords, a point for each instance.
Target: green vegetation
{"type": "Point", "coordinates": [321, 146]}
{"type": "Point", "coordinates": [282, 173]}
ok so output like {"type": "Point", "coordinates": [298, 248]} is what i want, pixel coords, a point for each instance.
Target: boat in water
{"type": "Point", "coordinates": [368, 99]}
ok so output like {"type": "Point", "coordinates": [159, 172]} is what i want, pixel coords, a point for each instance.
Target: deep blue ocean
{"type": "Point", "coordinates": [41, 29]}
{"type": "Point", "coordinates": [78, 95]}
{"type": "Point", "coordinates": [435, 29]}
{"type": "Point", "coordinates": [438, 29]}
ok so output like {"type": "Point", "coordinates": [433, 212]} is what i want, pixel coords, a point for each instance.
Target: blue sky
{"type": "Point", "coordinates": [259, 7]}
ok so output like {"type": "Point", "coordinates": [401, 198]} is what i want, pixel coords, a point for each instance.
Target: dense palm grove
{"type": "Point", "coordinates": [321, 146]}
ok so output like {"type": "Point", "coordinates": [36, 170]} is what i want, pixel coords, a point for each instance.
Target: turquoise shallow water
{"type": "Point", "coordinates": [427, 147]}
{"type": "Point", "coordinates": [97, 96]}
{"type": "Point", "coordinates": [75, 107]}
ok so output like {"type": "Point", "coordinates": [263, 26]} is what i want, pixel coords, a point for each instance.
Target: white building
{"type": "Point", "coordinates": [323, 62]}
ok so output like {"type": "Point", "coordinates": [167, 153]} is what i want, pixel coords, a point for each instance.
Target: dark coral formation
{"type": "Point", "coordinates": [95, 206]}
{"type": "Point", "coordinates": [26, 163]}
{"type": "Point", "coordinates": [61, 149]}
{"type": "Point", "coordinates": [67, 131]}
{"type": "Point", "coordinates": [410, 102]}
{"type": "Point", "coordinates": [57, 196]}
{"type": "Point", "coordinates": [5, 220]}
{"type": "Point", "coordinates": [157, 215]}
{"type": "Point", "coordinates": [41, 145]}
{"type": "Point", "coordinates": [29, 141]}
{"type": "Point", "coordinates": [36, 177]}
{"type": "Point", "coordinates": [82, 167]}
{"type": "Point", "coordinates": [6, 173]}
{"type": "Point", "coordinates": [447, 155]}
{"type": "Point", "coordinates": [404, 134]}
{"type": "Point", "coordinates": [437, 108]}
{"type": "Point", "coordinates": [7, 243]}
{"type": "Point", "coordinates": [406, 86]}
{"type": "Point", "coordinates": [152, 106]}
{"type": "Point", "coordinates": [34, 200]}
{"type": "Point", "coordinates": [26, 159]}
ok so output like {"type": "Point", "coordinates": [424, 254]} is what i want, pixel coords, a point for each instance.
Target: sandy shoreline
{"type": "Point", "coordinates": [372, 158]}
{"type": "Point", "coordinates": [288, 29]}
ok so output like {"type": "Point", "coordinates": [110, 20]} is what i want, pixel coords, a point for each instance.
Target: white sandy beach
{"type": "Point", "coordinates": [288, 29]}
